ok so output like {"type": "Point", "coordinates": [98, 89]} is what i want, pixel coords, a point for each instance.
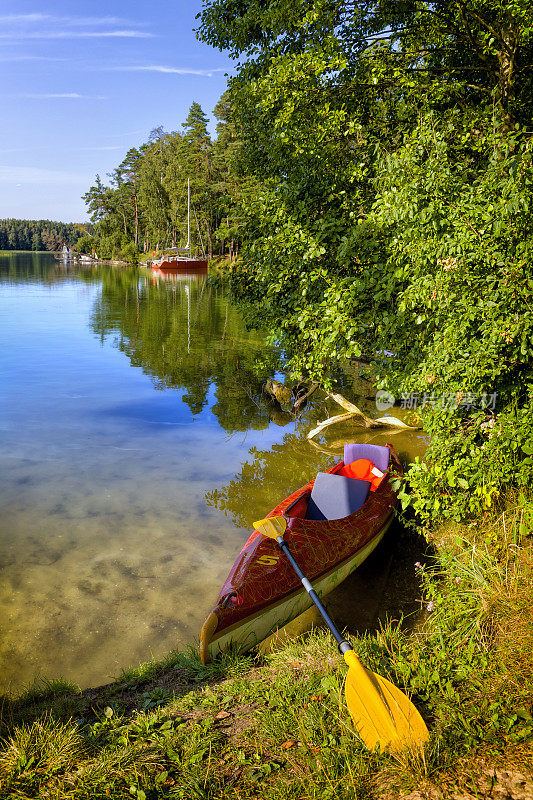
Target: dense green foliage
{"type": "Point", "coordinates": [144, 208]}
{"type": "Point", "coordinates": [42, 234]}
{"type": "Point", "coordinates": [392, 143]}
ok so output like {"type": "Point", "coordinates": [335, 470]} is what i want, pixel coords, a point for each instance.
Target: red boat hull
{"type": "Point", "coordinates": [177, 264]}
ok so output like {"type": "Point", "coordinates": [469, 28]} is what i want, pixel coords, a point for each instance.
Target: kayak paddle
{"type": "Point", "coordinates": [382, 714]}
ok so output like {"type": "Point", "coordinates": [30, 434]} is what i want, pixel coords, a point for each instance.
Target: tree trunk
{"type": "Point", "coordinates": [209, 239]}
{"type": "Point", "coordinates": [506, 58]}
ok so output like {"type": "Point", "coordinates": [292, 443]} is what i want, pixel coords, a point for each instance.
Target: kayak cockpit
{"type": "Point", "coordinates": [345, 490]}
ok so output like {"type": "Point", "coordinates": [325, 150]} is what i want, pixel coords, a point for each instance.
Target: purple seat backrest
{"type": "Point", "coordinates": [375, 453]}
{"type": "Point", "coordinates": [335, 497]}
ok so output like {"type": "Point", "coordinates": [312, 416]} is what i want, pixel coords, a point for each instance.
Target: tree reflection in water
{"type": "Point", "coordinates": [268, 477]}
{"type": "Point", "coordinates": [187, 336]}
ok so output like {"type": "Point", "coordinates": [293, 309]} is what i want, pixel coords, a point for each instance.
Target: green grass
{"type": "Point", "coordinates": [277, 727]}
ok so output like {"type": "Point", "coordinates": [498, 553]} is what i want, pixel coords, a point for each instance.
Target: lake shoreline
{"type": "Point", "coordinates": [170, 726]}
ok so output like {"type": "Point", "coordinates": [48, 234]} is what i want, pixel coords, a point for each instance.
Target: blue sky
{"type": "Point", "coordinates": [82, 83]}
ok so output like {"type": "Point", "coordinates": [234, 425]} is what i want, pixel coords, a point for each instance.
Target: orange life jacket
{"type": "Point", "coordinates": [365, 470]}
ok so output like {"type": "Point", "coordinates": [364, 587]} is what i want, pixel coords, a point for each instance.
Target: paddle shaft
{"type": "Point", "coordinates": [344, 645]}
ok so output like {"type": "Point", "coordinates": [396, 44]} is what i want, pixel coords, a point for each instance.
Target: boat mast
{"type": "Point", "coordinates": [188, 216]}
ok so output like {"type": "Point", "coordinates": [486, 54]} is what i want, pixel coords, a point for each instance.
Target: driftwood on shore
{"type": "Point", "coordinates": [280, 395]}
{"type": "Point", "coordinates": [355, 413]}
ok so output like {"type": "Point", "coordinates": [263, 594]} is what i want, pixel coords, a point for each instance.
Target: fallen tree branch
{"type": "Point", "coordinates": [394, 422]}
{"type": "Point", "coordinates": [328, 422]}
{"type": "Point", "coordinates": [357, 415]}
{"type": "Point", "coordinates": [348, 406]}
{"type": "Point", "coordinates": [301, 399]}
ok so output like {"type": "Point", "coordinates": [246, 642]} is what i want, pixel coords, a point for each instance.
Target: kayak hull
{"type": "Point", "coordinates": [247, 634]}
{"type": "Point", "coordinates": [262, 593]}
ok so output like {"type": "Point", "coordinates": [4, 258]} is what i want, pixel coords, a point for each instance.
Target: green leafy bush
{"type": "Point", "coordinates": [459, 252]}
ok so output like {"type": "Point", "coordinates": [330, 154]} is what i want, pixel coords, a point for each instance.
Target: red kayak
{"type": "Point", "coordinates": [333, 523]}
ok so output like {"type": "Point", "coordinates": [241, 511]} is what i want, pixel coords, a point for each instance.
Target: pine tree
{"type": "Point", "coordinates": [199, 153]}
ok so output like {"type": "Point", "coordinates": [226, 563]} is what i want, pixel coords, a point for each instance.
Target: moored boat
{"type": "Point", "coordinates": [178, 275]}
{"type": "Point", "coordinates": [177, 263]}
{"type": "Point", "coordinates": [334, 522]}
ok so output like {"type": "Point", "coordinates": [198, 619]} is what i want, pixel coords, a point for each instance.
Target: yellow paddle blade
{"type": "Point", "coordinates": [381, 713]}
{"type": "Point", "coordinates": [271, 527]}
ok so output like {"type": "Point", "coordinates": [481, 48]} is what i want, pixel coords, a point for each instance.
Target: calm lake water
{"type": "Point", "coordinates": [137, 449]}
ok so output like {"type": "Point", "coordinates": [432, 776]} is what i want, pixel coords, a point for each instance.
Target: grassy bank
{"type": "Point", "coordinates": [276, 727]}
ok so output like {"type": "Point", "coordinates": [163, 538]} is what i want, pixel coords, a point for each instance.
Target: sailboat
{"type": "Point", "coordinates": [67, 254]}
{"type": "Point", "coordinates": [172, 260]}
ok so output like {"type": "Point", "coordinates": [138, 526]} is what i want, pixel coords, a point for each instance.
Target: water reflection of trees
{"type": "Point", "coordinates": [186, 336]}
{"type": "Point", "coordinates": [20, 267]}
{"type": "Point", "coordinates": [268, 477]}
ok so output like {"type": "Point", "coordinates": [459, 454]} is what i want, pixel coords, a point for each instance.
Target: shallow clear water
{"type": "Point", "coordinates": [136, 451]}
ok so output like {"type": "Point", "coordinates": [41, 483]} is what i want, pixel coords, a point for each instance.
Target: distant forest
{"type": "Point", "coordinates": [40, 234]}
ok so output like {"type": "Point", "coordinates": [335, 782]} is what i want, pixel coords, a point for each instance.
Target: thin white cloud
{"type": "Point", "coordinates": [59, 96]}
{"type": "Point", "coordinates": [6, 19]}
{"type": "Point", "coordinates": [74, 149]}
{"type": "Point", "coordinates": [12, 58]}
{"type": "Point", "coordinates": [37, 175]}
{"type": "Point", "coordinates": [68, 34]}
{"type": "Point", "coordinates": [95, 21]}
{"type": "Point", "coordinates": [206, 73]}
{"type": "Point", "coordinates": [54, 96]}
{"type": "Point", "coordinates": [17, 27]}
